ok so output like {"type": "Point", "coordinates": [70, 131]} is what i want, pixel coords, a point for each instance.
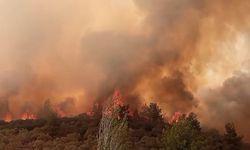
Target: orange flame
{"type": "Point", "coordinates": [60, 112]}
{"type": "Point", "coordinates": [117, 98]}
{"type": "Point", "coordinates": [7, 117]}
{"type": "Point", "coordinates": [117, 101]}
{"type": "Point", "coordinates": [90, 113]}
{"type": "Point", "coordinates": [27, 116]}
{"type": "Point", "coordinates": [176, 117]}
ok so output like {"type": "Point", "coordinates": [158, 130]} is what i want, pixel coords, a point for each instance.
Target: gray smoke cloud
{"type": "Point", "coordinates": [228, 103]}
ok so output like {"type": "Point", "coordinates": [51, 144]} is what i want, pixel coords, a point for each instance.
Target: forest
{"type": "Point", "coordinates": [114, 127]}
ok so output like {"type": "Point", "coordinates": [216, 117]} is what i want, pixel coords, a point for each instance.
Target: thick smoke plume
{"type": "Point", "coordinates": [74, 53]}
{"type": "Point", "coordinates": [228, 103]}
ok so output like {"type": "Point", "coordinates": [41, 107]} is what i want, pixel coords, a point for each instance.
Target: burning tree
{"type": "Point", "coordinates": [113, 128]}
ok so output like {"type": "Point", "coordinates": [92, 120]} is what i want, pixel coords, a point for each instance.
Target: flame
{"type": "Point", "coordinates": [175, 118]}
{"type": "Point", "coordinates": [90, 113]}
{"type": "Point", "coordinates": [27, 116]}
{"type": "Point", "coordinates": [117, 99]}
{"type": "Point", "coordinates": [8, 117]}
{"type": "Point", "coordinates": [60, 113]}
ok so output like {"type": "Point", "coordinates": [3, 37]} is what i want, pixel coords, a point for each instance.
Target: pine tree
{"type": "Point", "coordinates": [231, 139]}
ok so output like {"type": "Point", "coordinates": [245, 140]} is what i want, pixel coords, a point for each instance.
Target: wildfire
{"type": "Point", "coordinates": [90, 113]}
{"type": "Point", "coordinates": [175, 118]}
{"type": "Point", "coordinates": [60, 113]}
{"type": "Point", "coordinates": [117, 98]}
{"type": "Point", "coordinates": [116, 102]}
{"type": "Point", "coordinates": [27, 116]}
{"type": "Point", "coordinates": [8, 117]}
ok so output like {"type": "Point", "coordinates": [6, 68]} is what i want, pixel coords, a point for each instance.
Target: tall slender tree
{"type": "Point", "coordinates": [113, 127]}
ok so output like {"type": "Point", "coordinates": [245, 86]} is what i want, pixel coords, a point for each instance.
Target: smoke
{"type": "Point", "coordinates": [75, 53]}
{"type": "Point", "coordinates": [228, 103]}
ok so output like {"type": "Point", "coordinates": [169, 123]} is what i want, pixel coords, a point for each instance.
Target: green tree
{"type": "Point", "coordinates": [152, 112]}
{"type": "Point", "coordinates": [231, 139]}
{"type": "Point", "coordinates": [152, 119]}
{"type": "Point", "coordinates": [180, 134]}
{"type": "Point", "coordinates": [208, 140]}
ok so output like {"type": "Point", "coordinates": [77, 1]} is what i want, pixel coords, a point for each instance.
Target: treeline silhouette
{"type": "Point", "coordinates": [114, 128]}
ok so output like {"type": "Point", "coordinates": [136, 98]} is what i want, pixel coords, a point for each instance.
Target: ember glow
{"type": "Point", "coordinates": [27, 116]}
{"type": "Point", "coordinates": [176, 117]}
{"type": "Point", "coordinates": [189, 55]}
{"type": "Point", "coordinates": [7, 117]}
{"type": "Point", "coordinates": [115, 102]}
